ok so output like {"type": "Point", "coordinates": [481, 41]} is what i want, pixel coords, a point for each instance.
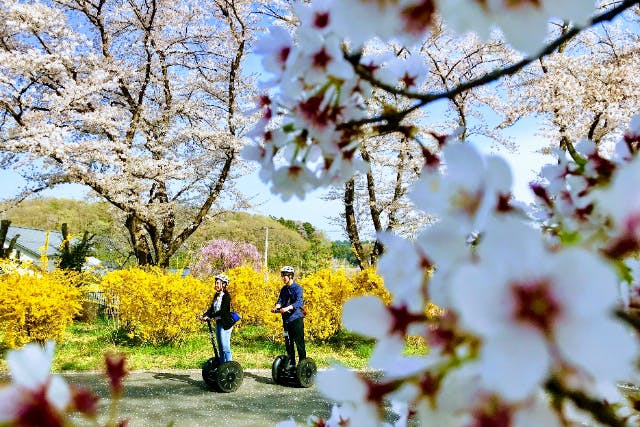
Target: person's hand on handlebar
{"type": "Point", "coordinates": [203, 318]}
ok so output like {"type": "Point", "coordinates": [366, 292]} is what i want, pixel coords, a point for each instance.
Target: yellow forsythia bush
{"type": "Point", "coordinates": [36, 306]}
{"type": "Point", "coordinates": [251, 297]}
{"type": "Point", "coordinates": [253, 294]}
{"type": "Point", "coordinates": [157, 306]}
{"type": "Point", "coordinates": [161, 307]}
{"type": "Point", "coordinates": [367, 282]}
{"type": "Point", "coordinates": [325, 291]}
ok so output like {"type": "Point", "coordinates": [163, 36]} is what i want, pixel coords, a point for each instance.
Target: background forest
{"type": "Point", "coordinates": [289, 242]}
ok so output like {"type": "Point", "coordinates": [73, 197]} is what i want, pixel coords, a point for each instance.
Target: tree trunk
{"type": "Point", "coordinates": [373, 209]}
{"type": "Point", "coordinates": [139, 243]}
{"type": "Point", "coordinates": [351, 224]}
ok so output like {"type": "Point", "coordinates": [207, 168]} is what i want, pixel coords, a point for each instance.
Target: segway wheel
{"type": "Point", "coordinates": [306, 372]}
{"type": "Point", "coordinates": [276, 368]}
{"type": "Point", "coordinates": [210, 372]}
{"type": "Point", "coordinates": [230, 377]}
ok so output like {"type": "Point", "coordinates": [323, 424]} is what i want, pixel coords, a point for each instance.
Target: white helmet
{"type": "Point", "coordinates": [223, 278]}
{"type": "Point", "coordinates": [287, 269]}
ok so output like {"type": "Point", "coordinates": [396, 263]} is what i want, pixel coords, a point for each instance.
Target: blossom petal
{"type": "Point", "coordinates": [10, 397]}
{"type": "Point", "coordinates": [58, 392]}
{"type": "Point", "coordinates": [602, 346]}
{"type": "Point", "coordinates": [367, 316]}
{"type": "Point", "coordinates": [515, 363]}
{"type": "Point", "coordinates": [30, 366]}
{"type": "Point", "coordinates": [341, 384]}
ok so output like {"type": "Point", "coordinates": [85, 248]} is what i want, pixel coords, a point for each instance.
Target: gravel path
{"type": "Point", "coordinates": [157, 397]}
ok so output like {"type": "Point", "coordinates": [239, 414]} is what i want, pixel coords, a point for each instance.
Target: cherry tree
{"type": "Point", "coordinates": [534, 331]}
{"type": "Point", "coordinates": [376, 200]}
{"type": "Point", "coordinates": [222, 255]}
{"type": "Point", "coordinates": [587, 88]}
{"type": "Point", "coordinates": [143, 102]}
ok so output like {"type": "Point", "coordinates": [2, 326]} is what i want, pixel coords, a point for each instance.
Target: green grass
{"type": "Point", "coordinates": [87, 342]}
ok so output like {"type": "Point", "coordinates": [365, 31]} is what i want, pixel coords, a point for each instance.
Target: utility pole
{"type": "Point", "coordinates": [266, 250]}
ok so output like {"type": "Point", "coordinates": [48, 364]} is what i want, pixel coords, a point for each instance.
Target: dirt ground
{"type": "Point", "coordinates": [156, 398]}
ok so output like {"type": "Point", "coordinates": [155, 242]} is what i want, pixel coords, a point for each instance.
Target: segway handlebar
{"type": "Point", "coordinates": [278, 310]}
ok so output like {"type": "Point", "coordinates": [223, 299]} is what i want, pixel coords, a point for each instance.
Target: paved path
{"type": "Point", "coordinates": [156, 397]}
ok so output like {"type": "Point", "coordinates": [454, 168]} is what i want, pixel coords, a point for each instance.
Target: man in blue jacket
{"type": "Point", "coordinates": [290, 304]}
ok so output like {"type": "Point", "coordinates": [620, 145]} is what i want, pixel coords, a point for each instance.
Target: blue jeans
{"type": "Point", "coordinates": [224, 342]}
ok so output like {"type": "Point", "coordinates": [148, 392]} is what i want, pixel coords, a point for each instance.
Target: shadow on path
{"type": "Point", "coordinates": [259, 378]}
{"type": "Point", "coordinates": [180, 378]}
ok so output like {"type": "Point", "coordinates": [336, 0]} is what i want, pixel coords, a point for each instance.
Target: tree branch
{"type": "Point", "coordinates": [424, 99]}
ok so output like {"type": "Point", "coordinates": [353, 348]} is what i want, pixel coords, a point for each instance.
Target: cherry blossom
{"type": "Point", "coordinates": [275, 49]}
{"type": "Point", "coordinates": [621, 203]}
{"type": "Point", "coordinates": [534, 309]}
{"type": "Point", "coordinates": [468, 190]}
{"type": "Point", "coordinates": [360, 398]}
{"type": "Point", "coordinates": [512, 16]}
{"type": "Point", "coordinates": [35, 397]}
{"type": "Point", "coordinates": [402, 268]}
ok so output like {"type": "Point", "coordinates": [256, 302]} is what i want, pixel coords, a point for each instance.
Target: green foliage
{"type": "Point", "coordinates": [73, 255]}
{"type": "Point", "coordinates": [317, 256]}
{"type": "Point", "coordinates": [86, 343]}
{"type": "Point", "coordinates": [99, 218]}
{"type": "Point", "coordinates": [290, 242]}
{"type": "Point", "coordinates": [341, 249]}
{"type": "Point", "coordinates": [304, 229]}
{"type": "Point", "coordinates": [50, 214]}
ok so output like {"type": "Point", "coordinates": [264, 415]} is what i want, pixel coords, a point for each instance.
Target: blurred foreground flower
{"type": "Point", "coordinates": [37, 398]}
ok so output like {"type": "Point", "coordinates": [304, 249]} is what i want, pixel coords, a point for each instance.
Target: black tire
{"type": "Point", "coordinates": [210, 373]}
{"type": "Point", "coordinates": [276, 368]}
{"type": "Point", "coordinates": [229, 377]}
{"type": "Point", "coordinates": [306, 372]}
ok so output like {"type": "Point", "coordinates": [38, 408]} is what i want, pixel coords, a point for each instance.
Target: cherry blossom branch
{"type": "Point", "coordinates": [600, 410]}
{"type": "Point", "coordinates": [424, 99]}
{"type": "Point", "coordinates": [632, 319]}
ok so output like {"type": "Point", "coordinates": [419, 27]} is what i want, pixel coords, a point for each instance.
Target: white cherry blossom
{"type": "Point", "coordinates": [532, 307]}
{"type": "Point", "coordinates": [33, 387]}
{"type": "Point", "coordinates": [621, 202]}
{"type": "Point", "coordinates": [467, 190]}
{"type": "Point", "coordinates": [512, 16]}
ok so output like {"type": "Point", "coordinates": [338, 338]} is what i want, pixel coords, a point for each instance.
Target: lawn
{"type": "Point", "coordinates": [87, 342]}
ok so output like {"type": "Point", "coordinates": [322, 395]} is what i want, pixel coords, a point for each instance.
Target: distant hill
{"type": "Point", "coordinates": [288, 240]}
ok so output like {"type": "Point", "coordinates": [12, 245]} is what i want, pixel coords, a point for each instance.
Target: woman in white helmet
{"type": "Point", "coordinates": [220, 311]}
{"type": "Point", "coordinates": [289, 304]}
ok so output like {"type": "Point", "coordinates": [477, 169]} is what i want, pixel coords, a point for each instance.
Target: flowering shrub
{"type": "Point", "coordinates": [367, 282]}
{"type": "Point", "coordinates": [250, 295]}
{"type": "Point", "coordinates": [154, 305]}
{"type": "Point", "coordinates": [36, 306]}
{"type": "Point", "coordinates": [221, 255]}
{"type": "Point", "coordinates": [324, 293]}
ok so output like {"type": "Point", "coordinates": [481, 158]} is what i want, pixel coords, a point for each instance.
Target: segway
{"type": "Point", "coordinates": [284, 372]}
{"type": "Point", "coordinates": [225, 377]}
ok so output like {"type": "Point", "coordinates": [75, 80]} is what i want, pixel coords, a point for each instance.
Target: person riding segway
{"type": "Point", "coordinates": [290, 305]}
{"type": "Point", "coordinates": [220, 372]}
